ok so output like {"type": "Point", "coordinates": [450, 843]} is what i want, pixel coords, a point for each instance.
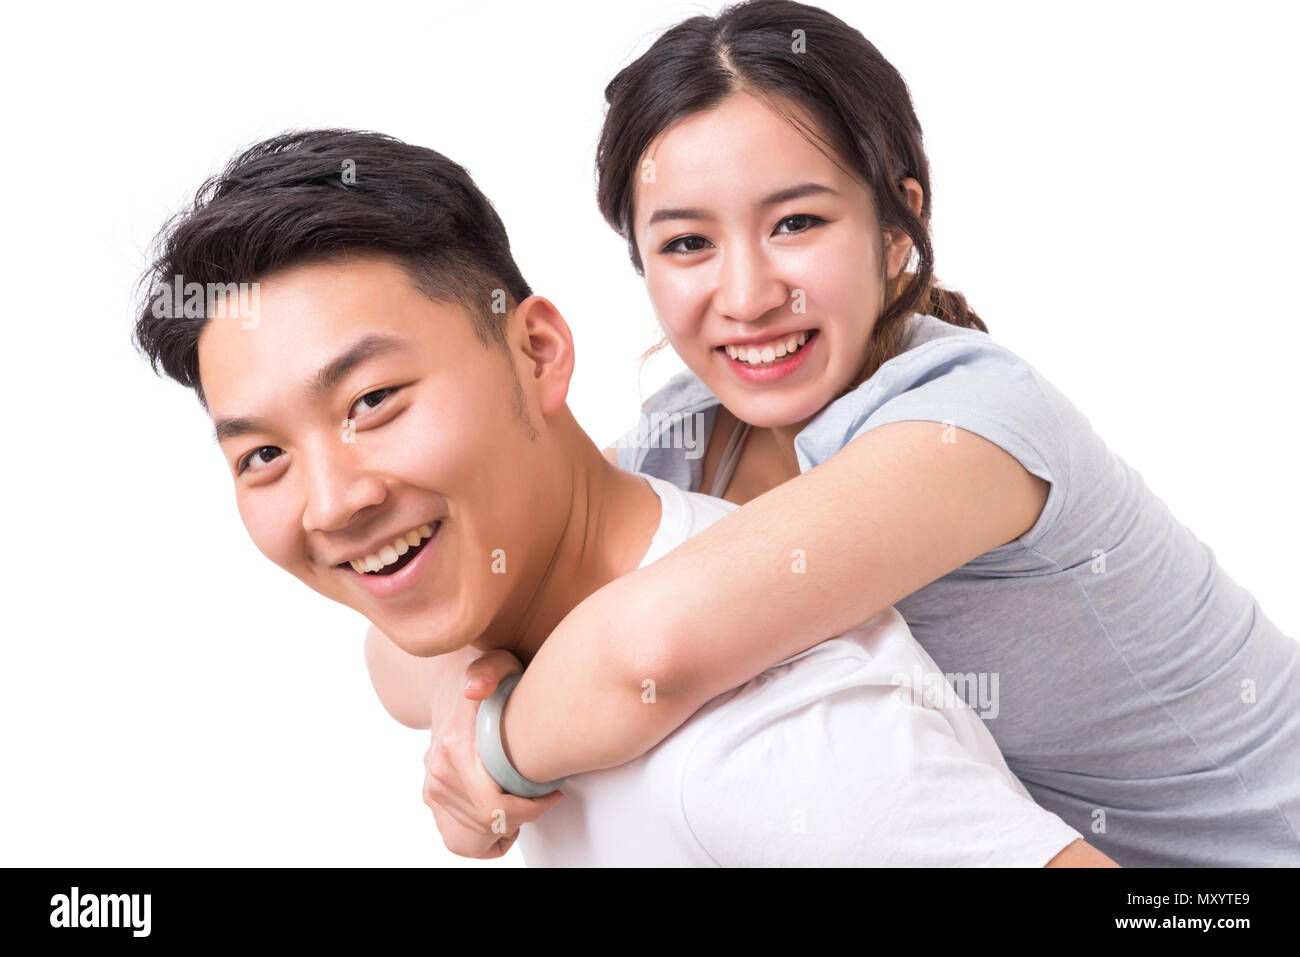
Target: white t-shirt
{"type": "Point", "coordinates": [841, 755]}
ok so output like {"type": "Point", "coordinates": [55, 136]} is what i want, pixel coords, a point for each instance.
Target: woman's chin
{"type": "Point", "coordinates": [776, 412]}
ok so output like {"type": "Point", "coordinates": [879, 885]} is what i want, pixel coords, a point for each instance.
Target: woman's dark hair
{"type": "Point", "coordinates": [318, 195]}
{"type": "Point", "coordinates": [805, 56]}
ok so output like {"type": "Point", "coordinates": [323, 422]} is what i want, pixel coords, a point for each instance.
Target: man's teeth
{"type": "Point", "coordinates": [394, 550]}
{"type": "Point", "coordinates": [753, 355]}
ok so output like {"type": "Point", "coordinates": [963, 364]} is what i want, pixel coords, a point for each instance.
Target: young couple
{"type": "Point", "coordinates": [763, 684]}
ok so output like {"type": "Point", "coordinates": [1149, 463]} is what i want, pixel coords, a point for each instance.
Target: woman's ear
{"type": "Point", "coordinates": [898, 245]}
{"type": "Point", "coordinates": [547, 347]}
{"type": "Point", "coordinates": [915, 195]}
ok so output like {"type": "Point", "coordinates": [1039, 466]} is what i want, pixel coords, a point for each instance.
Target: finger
{"type": "Point", "coordinates": [452, 799]}
{"type": "Point", "coordinates": [485, 791]}
{"type": "Point", "coordinates": [483, 810]}
{"type": "Point", "coordinates": [502, 846]}
{"type": "Point", "coordinates": [520, 810]}
{"type": "Point", "coordinates": [483, 674]}
{"type": "Point", "coordinates": [451, 822]}
{"type": "Point", "coordinates": [471, 845]}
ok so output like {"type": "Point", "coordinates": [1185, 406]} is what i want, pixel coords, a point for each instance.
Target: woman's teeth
{"type": "Point", "coordinates": [391, 552]}
{"type": "Point", "coordinates": [754, 356]}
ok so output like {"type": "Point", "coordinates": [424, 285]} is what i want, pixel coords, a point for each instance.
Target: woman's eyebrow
{"type": "Point", "coordinates": [795, 192]}
{"type": "Point", "coordinates": [660, 215]}
{"type": "Point", "coordinates": [772, 199]}
{"type": "Point", "coordinates": [330, 375]}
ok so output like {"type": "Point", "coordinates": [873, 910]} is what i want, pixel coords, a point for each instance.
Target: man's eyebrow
{"type": "Point", "coordinates": [780, 196]}
{"type": "Point", "coordinates": [330, 375]}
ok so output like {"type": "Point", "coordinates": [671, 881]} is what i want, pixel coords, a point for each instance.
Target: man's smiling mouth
{"type": "Point", "coordinates": [395, 555]}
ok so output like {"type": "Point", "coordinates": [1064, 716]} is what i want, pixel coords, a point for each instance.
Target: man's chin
{"type": "Point", "coordinates": [418, 635]}
{"type": "Point", "coordinates": [418, 641]}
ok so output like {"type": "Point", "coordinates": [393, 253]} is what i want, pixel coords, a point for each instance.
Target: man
{"type": "Point", "coordinates": [391, 405]}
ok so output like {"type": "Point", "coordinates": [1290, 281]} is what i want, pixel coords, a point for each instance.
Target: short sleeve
{"type": "Point", "coordinates": [672, 432]}
{"type": "Point", "coordinates": [855, 777]}
{"type": "Point", "coordinates": [970, 382]}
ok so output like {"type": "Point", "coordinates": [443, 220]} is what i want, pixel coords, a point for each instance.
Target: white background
{"type": "Point", "coordinates": [1114, 191]}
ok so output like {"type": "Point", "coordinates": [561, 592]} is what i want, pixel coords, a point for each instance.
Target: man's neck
{"type": "Point", "coordinates": [609, 521]}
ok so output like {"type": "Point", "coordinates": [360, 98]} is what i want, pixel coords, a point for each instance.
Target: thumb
{"type": "Point", "coordinates": [484, 674]}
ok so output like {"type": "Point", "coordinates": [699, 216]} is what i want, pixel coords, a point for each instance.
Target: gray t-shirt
{"type": "Point", "coordinates": [1137, 690]}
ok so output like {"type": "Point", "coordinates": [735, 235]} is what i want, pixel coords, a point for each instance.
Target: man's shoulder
{"type": "Point", "coordinates": [813, 742]}
{"type": "Point", "coordinates": [683, 515]}
{"type": "Point", "coordinates": [854, 753]}
{"type": "Point", "coordinates": [875, 658]}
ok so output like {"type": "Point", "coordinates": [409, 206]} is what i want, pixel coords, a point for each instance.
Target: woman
{"type": "Point", "coordinates": [767, 170]}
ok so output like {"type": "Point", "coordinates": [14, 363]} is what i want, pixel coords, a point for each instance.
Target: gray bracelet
{"type": "Point", "coordinates": [487, 730]}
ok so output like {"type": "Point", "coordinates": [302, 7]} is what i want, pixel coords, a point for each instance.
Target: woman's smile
{"type": "Point", "coordinates": [771, 360]}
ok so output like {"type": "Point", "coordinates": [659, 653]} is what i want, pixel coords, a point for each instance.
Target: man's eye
{"type": "Point", "coordinates": [686, 244]}
{"type": "Point", "coordinates": [799, 223]}
{"type": "Point", "coordinates": [369, 401]}
{"type": "Point", "coordinates": [382, 393]}
{"type": "Point", "coordinates": [248, 459]}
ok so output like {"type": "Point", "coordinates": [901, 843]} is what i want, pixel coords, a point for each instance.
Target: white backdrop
{"type": "Point", "coordinates": [1114, 191]}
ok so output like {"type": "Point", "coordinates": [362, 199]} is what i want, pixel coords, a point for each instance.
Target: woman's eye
{"type": "Point", "coordinates": [686, 244]}
{"type": "Point", "coordinates": [799, 223]}
{"type": "Point", "coordinates": [251, 456]}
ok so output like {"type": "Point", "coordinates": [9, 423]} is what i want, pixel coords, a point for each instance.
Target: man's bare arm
{"type": "Point", "coordinates": [413, 689]}
{"type": "Point", "coordinates": [1080, 854]}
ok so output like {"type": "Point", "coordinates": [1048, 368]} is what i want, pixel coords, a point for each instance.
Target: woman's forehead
{"type": "Point", "coordinates": [745, 146]}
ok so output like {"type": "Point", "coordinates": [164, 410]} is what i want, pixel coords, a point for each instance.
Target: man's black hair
{"type": "Point", "coordinates": [315, 195]}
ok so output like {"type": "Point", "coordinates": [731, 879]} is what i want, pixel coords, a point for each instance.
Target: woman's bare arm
{"type": "Point", "coordinates": [895, 509]}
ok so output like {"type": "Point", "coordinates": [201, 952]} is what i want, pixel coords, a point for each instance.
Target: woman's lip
{"type": "Point", "coordinates": [771, 341]}
{"type": "Point", "coordinates": [774, 372]}
{"type": "Point", "coordinates": [384, 586]}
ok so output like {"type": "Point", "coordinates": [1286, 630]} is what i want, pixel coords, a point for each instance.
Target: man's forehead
{"type": "Point", "coordinates": [315, 325]}
{"type": "Point", "coordinates": [313, 387]}
{"type": "Point", "coordinates": [310, 314]}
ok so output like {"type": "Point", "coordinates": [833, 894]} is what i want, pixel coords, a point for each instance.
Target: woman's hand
{"type": "Point", "coordinates": [474, 816]}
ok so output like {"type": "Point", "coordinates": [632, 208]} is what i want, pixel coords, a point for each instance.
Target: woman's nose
{"type": "Point", "coordinates": [748, 285]}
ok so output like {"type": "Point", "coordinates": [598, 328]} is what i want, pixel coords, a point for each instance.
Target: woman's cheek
{"type": "Point", "coordinates": [679, 299]}
{"type": "Point", "coordinates": [847, 293]}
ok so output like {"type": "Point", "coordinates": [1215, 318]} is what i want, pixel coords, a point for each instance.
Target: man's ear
{"type": "Point", "coordinates": [547, 346]}
{"type": "Point", "coordinates": [898, 245]}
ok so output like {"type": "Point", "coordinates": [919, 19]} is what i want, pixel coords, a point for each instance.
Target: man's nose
{"type": "Point", "coordinates": [748, 284]}
{"type": "Point", "coordinates": [336, 484]}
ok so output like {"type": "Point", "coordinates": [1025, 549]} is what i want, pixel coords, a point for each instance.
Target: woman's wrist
{"type": "Point", "coordinates": [600, 691]}
{"type": "Point", "coordinates": [491, 745]}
